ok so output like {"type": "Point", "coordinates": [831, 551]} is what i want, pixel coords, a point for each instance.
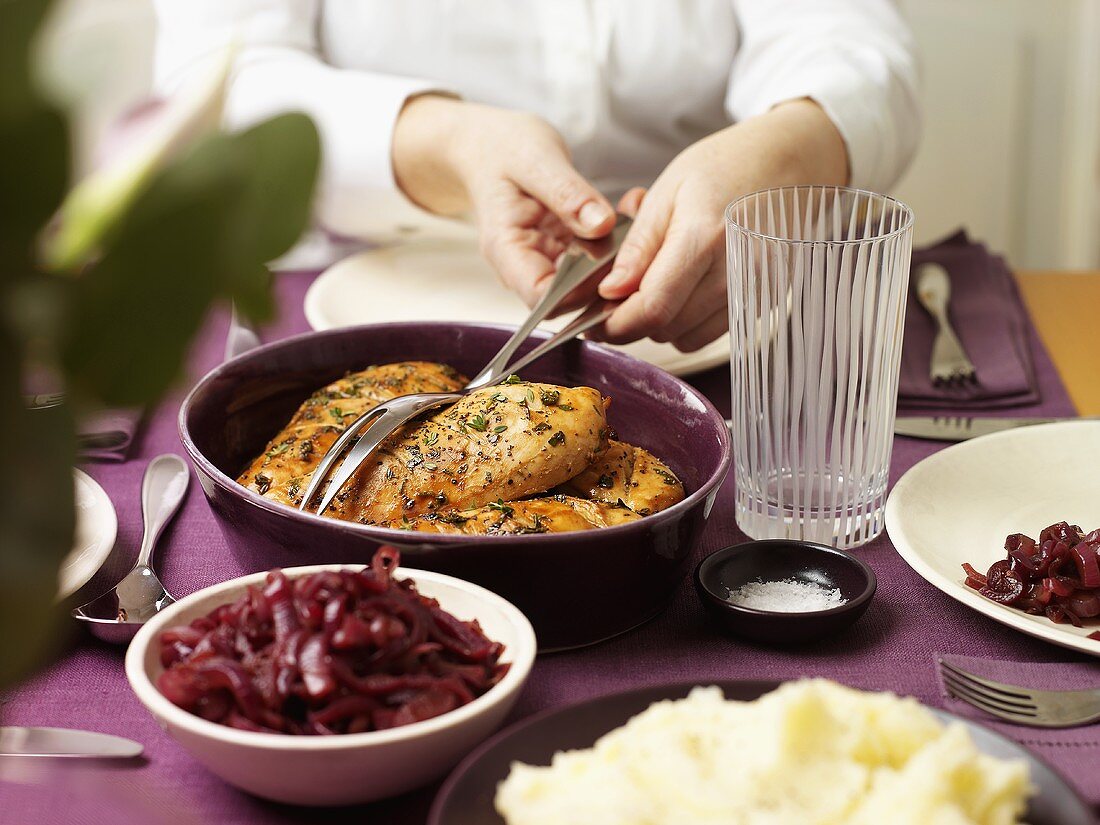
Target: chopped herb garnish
{"type": "Point", "coordinates": [453, 518]}
{"type": "Point", "coordinates": [431, 438]}
{"type": "Point", "coordinates": [499, 397]}
{"type": "Point", "coordinates": [566, 407]}
{"type": "Point", "coordinates": [541, 427]}
{"type": "Point", "coordinates": [537, 526]}
{"type": "Point", "coordinates": [530, 396]}
{"type": "Point", "coordinates": [513, 379]}
{"type": "Point", "coordinates": [502, 507]}
{"type": "Point", "coordinates": [477, 422]}
{"type": "Point", "coordinates": [668, 477]}
{"type": "Point", "coordinates": [430, 465]}
{"type": "Point", "coordinates": [279, 449]}
{"type": "Point", "coordinates": [305, 450]}
{"type": "Point", "coordinates": [263, 483]}
{"type": "Point", "coordinates": [500, 428]}
{"type": "Point", "coordinates": [549, 397]}
{"type": "Point", "coordinates": [557, 439]}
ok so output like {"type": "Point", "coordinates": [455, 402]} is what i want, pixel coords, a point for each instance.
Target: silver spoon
{"type": "Point", "coordinates": [116, 615]}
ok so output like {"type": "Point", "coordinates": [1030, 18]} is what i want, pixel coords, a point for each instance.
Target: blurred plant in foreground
{"type": "Point", "coordinates": [102, 291]}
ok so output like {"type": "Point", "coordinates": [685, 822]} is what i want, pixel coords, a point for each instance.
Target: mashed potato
{"type": "Point", "coordinates": [809, 753]}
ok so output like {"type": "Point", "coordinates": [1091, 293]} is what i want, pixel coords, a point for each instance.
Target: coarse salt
{"type": "Point", "coordinates": [786, 596]}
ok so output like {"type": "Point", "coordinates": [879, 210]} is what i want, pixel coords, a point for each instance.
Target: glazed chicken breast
{"type": "Point", "coordinates": [516, 458]}
{"type": "Point", "coordinates": [630, 475]}
{"type": "Point", "coordinates": [501, 443]}
{"type": "Point", "coordinates": [283, 469]}
{"type": "Point", "coordinates": [548, 514]}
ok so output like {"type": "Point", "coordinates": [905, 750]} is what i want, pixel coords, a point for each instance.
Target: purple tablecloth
{"type": "Point", "coordinates": [891, 648]}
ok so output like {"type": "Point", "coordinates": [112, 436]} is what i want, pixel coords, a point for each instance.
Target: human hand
{"type": "Point", "coordinates": [513, 170]}
{"type": "Point", "coordinates": [671, 272]}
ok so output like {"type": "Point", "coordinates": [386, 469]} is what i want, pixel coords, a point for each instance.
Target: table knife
{"type": "Point", "coordinates": [63, 742]}
{"type": "Point", "coordinates": [959, 428]}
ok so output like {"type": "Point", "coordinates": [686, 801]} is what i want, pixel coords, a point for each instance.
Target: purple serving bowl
{"type": "Point", "coordinates": [576, 588]}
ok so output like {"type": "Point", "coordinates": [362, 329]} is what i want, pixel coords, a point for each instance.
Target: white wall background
{"type": "Point", "coordinates": [1011, 144]}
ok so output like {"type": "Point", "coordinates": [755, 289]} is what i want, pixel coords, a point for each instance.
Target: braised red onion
{"type": "Point", "coordinates": [333, 652]}
{"type": "Point", "coordinates": [1057, 576]}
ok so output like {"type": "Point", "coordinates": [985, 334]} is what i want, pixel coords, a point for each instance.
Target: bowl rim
{"type": "Point", "coordinates": [393, 535]}
{"type": "Point", "coordinates": [718, 601]}
{"type": "Point", "coordinates": [521, 656]}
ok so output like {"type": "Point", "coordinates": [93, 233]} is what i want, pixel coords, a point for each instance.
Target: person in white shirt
{"type": "Point", "coordinates": [535, 116]}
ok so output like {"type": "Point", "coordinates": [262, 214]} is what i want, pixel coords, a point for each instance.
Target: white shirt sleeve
{"type": "Point", "coordinates": [855, 58]}
{"type": "Point", "coordinates": [279, 69]}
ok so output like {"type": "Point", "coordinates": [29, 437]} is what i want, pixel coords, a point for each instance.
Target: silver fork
{"type": "Point", "coordinates": [950, 364]}
{"type": "Point", "coordinates": [575, 267]}
{"type": "Point", "coordinates": [1023, 706]}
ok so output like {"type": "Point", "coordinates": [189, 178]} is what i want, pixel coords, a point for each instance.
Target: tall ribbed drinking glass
{"type": "Point", "coordinates": [817, 283]}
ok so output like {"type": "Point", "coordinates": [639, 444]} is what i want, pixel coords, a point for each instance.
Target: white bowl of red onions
{"type": "Point", "coordinates": [333, 684]}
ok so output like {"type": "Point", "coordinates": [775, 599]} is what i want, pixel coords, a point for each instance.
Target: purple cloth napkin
{"type": "Point", "coordinates": [1074, 752]}
{"type": "Point", "coordinates": [988, 315]}
{"type": "Point", "coordinates": [107, 435]}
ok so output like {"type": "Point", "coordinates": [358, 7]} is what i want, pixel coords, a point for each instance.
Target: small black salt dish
{"type": "Point", "coordinates": [779, 560]}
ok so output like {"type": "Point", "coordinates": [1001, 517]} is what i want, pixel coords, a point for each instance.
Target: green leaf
{"type": "Point", "coordinates": [19, 22]}
{"type": "Point", "coordinates": [36, 521]}
{"type": "Point", "coordinates": [93, 210]}
{"type": "Point", "coordinates": [188, 239]}
{"type": "Point", "coordinates": [133, 314]}
{"type": "Point", "coordinates": [281, 158]}
{"type": "Point", "coordinates": [34, 170]}
{"type": "Point", "coordinates": [283, 155]}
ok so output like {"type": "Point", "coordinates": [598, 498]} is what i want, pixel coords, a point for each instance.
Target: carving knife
{"type": "Point", "coordinates": [64, 742]}
{"type": "Point", "coordinates": [959, 428]}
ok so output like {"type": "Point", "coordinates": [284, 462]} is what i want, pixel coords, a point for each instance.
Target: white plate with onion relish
{"type": "Point", "coordinates": [93, 539]}
{"type": "Point", "coordinates": [960, 504]}
{"type": "Point", "coordinates": [447, 280]}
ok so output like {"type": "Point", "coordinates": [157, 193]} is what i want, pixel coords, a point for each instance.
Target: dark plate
{"type": "Point", "coordinates": [466, 798]}
{"type": "Point", "coordinates": [576, 588]}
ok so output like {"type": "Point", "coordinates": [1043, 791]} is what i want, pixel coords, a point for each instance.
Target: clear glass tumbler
{"type": "Point", "coordinates": [817, 284]}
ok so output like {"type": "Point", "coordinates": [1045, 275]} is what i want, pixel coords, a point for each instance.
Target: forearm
{"type": "Point", "coordinates": [423, 166]}
{"type": "Point", "coordinates": [792, 143]}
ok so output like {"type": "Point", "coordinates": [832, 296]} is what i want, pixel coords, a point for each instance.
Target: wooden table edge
{"type": "Point", "coordinates": [1065, 308]}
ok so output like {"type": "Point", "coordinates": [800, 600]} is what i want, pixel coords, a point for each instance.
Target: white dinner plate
{"type": "Point", "coordinates": [96, 527]}
{"type": "Point", "coordinates": [448, 280]}
{"type": "Point", "coordinates": [959, 504]}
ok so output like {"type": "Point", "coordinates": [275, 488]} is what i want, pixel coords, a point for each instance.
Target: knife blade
{"type": "Point", "coordinates": [961, 428]}
{"type": "Point", "coordinates": [65, 742]}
